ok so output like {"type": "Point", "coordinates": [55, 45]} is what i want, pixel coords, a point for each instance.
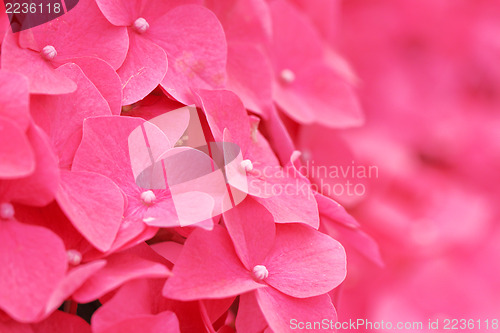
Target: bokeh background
{"type": "Point", "coordinates": [428, 76]}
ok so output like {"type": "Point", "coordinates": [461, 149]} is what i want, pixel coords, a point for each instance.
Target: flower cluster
{"type": "Point", "coordinates": [431, 92]}
{"type": "Point", "coordinates": [85, 218]}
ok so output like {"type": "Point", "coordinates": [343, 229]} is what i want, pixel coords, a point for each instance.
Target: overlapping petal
{"type": "Point", "coordinates": [304, 262]}
{"type": "Point", "coordinates": [41, 254]}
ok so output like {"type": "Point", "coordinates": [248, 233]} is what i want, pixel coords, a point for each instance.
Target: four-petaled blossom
{"type": "Point", "coordinates": [287, 268]}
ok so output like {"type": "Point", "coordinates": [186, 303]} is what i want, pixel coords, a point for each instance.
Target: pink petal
{"type": "Point", "coordinates": [4, 21]}
{"type": "Point", "coordinates": [255, 28]}
{"type": "Point", "coordinates": [334, 211]}
{"type": "Point", "coordinates": [287, 189]}
{"type": "Point", "coordinates": [52, 217]}
{"type": "Point", "coordinates": [152, 106]}
{"type": "Point", "coordinates": [249, 75]}
{"type": "Point", "coordinates": [280, 310]}
{"type": "Point", "coordinates": [143, 69]}
{"type": "Point", "coordinates": [305, 262]}
{"type": "Point", "coordinates": [43, 79]}
{"type": "Point", "coordinates": [13, 326]}
{"type": "Point", "coordinates": [58, 322]}
{"type": "Point", "coordinates": [94, 204]}
{"type": "Point", "coordinates": [42, 255]}
{"type": "Point", "coordinates": [105, 79]}
{"type": "Point", "coordinates": [191, 318]}
{"type": "Point", "coordinates": [225, 110]}
{"type": "Point", "coordinates": [324, 17]}
{"type": "Point", "coordinates": [14, 98]}
{"type": "Point", "coordinates": [18, 158]}
{"type": "Point", "coordinates": [295, 41]}
{"type": "Point", "coordinates": [249, 317]}
{"type": "Point", "coordinates": [163, 322]}
{"type": "Point", "coordinates": [124, 13]}
{"type": "Point", "coordinates": [120, 268]}
{"type": "Point", "coordinates": [143, 297]}
{"type": "Point", "coordinates": [62, 116]}
{"type": "Point", "coordinates": [208, 267]}
{"type": "Point", "coordinates": [104, 149]}
{"type": "Point", "coordinates": [279, 136]}
{"type": "Point", "coordinates": [120, 12]}
{"type": "Point", "coordinates": [39, 188]}
{"type": "Point", "coordinates": [146, 144]}
{"type": "Point", "coordinates": [168, 250]}
{"type": "Point", "coordinates": [157, 8]}
{"type": "Point", "coordinates": [133, 299]}
{"type": "Point", "coordinates": [317, 93]}
{"type": "Point", "coordinates": [83, 32]}
{"type": "Point", "coordinates": [132, 232]}
{"type": "Point", "coordinates": [226, 329]}
{"type": "Point", "coordinates": [196, 48]}
{"type": "Point", "coordinates": [171, 117]}
{"type": "Point", "coordinates": [334, 174]}
{"type": "Point", "coordinates": [291, 200]}
{"type": "Point", "coordinates": [252, 231]}
{"type": "Point", "coordinates": [191, 178]}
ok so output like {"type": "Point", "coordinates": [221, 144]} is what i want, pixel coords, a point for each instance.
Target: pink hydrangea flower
{"type": "Point", "coordinates": [82, 32]}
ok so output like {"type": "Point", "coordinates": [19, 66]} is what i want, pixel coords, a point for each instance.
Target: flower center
{"type": "Point", "coordinates": [49, 52]}
{"type": "Point", "coordinates": [287, 76]}
{"type": "Point", "coordinates": [141, 25]}
{"type": "Point", "coordinates": [74, 257]}
{"type": "Point", "coordinates": [246, 165]}
{"type": "Point", "coordinates": [148, 197]}
{"type": "Point", "coordinates": [260, 272]}
{"type": "Point", "coordinates": [6, 211]}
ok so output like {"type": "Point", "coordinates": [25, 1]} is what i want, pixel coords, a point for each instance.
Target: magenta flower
{"type": "Point", "coordinates": [274, 264]}
{"type": "Point", "coordinates": [189, 36]}
{"type": "Point", "coordinates": [18, 158]}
